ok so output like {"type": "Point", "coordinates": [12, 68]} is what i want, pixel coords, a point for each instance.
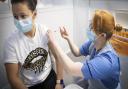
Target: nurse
{"type": "Point", "coordinates": [27, 60]}
{"type": "Point", "coordinates": [102, 69]}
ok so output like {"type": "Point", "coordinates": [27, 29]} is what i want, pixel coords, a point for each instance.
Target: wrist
{"type": "Point", "coordinates": [68, 39]}
{"type": "Point", "coordinates": [60, 81]}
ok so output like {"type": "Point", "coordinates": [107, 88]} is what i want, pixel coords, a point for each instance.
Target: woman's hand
{"type": "Point", "coordinates": [64, 33]}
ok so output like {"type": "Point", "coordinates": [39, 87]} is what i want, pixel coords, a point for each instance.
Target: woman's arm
{"type": "Point", "coordinates": [12, 71]}
{"type": "Point", "coordinates": [72, 67]}
{"type": "Point", "coordinates": [75, 50]}
{"type": "Point", "coordinates": [59, 67]}
{"type": "Point", "coordinates": [59, 70]}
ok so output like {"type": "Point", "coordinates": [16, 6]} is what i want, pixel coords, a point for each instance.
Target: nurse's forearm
{"type": "Point", "coordinates": [72, 67]}
{"type": "Point", "coordinates": [75, 50]}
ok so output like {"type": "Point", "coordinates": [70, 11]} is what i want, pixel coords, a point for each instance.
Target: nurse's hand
{"type": "Point", "coordinates": [59, 86]}
{"type": "Point", "coordinates": [64, 33]}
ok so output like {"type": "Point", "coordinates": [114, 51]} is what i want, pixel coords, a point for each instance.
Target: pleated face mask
{"type": "Point", "coordinates": [24, 25]}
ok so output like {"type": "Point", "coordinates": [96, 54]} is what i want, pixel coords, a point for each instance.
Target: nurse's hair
{"type": "Point", "coordinates": [31, 3]}
{"type": "Point", "coordinates": [103, 22]}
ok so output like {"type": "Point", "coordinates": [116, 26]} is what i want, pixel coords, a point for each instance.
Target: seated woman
{"type": "Point", "coordinates": [102, 69]}
{"type": "Point", "coordinates": [27, 59]}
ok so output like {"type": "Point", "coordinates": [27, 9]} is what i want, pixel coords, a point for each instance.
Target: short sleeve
{"type": "Point", "coordinates": [9, 52]}
{"type": "Point", "coordinates": [84, 49]}
{"type": "Point", "coordinates": [43, 30]}
{"type": "Point", "coordinates": [97, 68]}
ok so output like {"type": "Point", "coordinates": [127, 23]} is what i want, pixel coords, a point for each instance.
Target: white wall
{"type": "Point", "coordinates": [6, 26]}
{"type": "Point", "coordinates": [81, 11]}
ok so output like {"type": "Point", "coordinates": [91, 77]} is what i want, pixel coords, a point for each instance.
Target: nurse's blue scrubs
{"type": "Point", "coordinates": [102, 69]}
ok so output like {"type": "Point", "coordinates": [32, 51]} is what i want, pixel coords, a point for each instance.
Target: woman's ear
{"type": "Point", "coordinates": [34, 14]}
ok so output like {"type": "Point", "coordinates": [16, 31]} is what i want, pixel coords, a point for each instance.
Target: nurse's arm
{"type": "Point", "coordinates": [12, 71]}
{"type": "Point", "coordinates": [74, 49]}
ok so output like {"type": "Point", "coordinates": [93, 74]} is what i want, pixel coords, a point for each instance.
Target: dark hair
{"type": "Point", "coordinates": [31, 3]}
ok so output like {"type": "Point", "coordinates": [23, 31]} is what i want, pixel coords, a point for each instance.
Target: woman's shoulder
{"type": "Point", "coordinates": [42, 28]}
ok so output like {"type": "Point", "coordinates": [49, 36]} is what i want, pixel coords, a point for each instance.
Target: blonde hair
{"type": "Point", "coordinates": [103, 22]}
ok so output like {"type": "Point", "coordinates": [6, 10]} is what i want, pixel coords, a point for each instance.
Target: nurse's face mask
{"type": "Point", "coordinates": [90, 34]}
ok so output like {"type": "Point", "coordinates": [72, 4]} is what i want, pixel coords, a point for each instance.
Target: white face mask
{"type": "Point", "coordinates": [24, 25]}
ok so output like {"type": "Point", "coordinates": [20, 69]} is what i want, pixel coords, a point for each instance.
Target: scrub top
{"type": "Point", "coordinates": [102, 69]}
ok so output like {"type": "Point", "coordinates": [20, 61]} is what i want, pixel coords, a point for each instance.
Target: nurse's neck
{"type": "Point", "coordinates": [31, 33]}
{"type": "Point", "coordinates": [100, 42]}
